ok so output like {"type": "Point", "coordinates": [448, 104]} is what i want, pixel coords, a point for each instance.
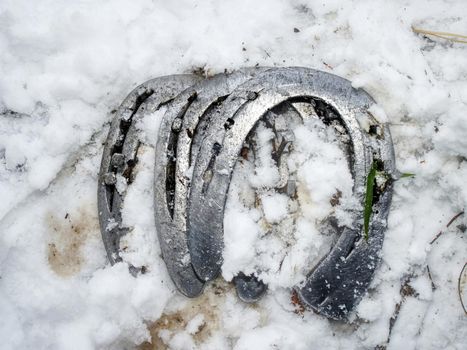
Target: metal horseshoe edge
{"type": "Point", "coordinates": [119, 154]}
{"type": "Point", "coordinates": [200, 138]}
{"type": "Point", "coordinates": [335, 286]}
{"type": "Point", "coordinates": [180, 133]}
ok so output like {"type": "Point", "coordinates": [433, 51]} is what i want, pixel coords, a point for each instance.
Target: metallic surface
{"type": "Point", "coordinates": [172, 178]}
{"type": "Point", "coordinates": [200, 138]}
{"type": "Point", "coordinates": [216, 159]}
{"type": "Point", "coordinates": [119, 154]}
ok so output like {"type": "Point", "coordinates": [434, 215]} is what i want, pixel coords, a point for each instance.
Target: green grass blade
{"type": "Point", "coordinates": [406, 175]}
{"type": "Point", "coordinates": [370, 183]}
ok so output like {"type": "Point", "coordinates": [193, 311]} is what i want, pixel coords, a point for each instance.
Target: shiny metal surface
{"type": "Point", "coordinates": [119, 154]}
{"type": "Point", "coordinates": [200, 138]}
{"type": "Point", "coordinates": [172, 178]}
{"type": "Point", "coordinates": [217, 157]}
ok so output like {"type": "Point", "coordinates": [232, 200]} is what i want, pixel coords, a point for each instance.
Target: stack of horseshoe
{"type": "Point", "coordinates": [206, 123]}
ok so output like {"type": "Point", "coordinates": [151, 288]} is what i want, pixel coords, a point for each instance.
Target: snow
{"type": "Point", "coordinates": [275, 207]}
{"type": "Point", "coordinates": [195, 324]}
{"type": "Point", "coordinates": [270, 234]}
{"type": "Point", "coordinates": [65, 66]}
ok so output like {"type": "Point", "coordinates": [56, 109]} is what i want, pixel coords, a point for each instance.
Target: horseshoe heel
{"type": "Point", "coordinates": [338, 283]}
{"type": "Point", "coordinates": [119, 154]}
{"type": "Point", "coordinates": [218, 155]}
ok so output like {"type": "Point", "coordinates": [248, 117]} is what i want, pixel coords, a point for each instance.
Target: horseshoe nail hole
{"type": "Point", "coordinates": [118, 144]}
{"type": "Point", "coordinates": [216, 148]}
{"type": "Point", "coordinates": [110, 191]}
{"type": "Point", "coordinates": [374, 130]}
{"type": "Point", "coordinates": [207, 176]}
{"type": "Point", "coordinates": [125, 125]}
{"type": "Point", "coordinates": [128, 172]}
{"type": "Point", "coordinates": [381, 181]}
{"type": "Point", "coordinates": [177, 124]}
{"type": "Point", "coordinates": [229, 123]}
{"type": "Point", "coordinates": [252, 95]}
{"type": "Point", "coordinates": [379, 164]}
{"type": "Point", "coordinates": [131, 162]}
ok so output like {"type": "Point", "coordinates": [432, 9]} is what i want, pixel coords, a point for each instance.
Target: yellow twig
{"type": "Point", "coordinates": [443, 35]}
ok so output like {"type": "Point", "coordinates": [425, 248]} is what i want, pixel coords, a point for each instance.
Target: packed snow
{"type": "Point", "coordinates": [65, 67]}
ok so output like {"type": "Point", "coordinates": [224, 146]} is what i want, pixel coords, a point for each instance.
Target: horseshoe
{"type": "Point", "coordinates": [180, 136]}
{"type": "Point", "coordinates": [338, 282]}
{"type": "Point", "coordinates": [119, 155]}
{"type": "Point", "coordinates": [180, 133]}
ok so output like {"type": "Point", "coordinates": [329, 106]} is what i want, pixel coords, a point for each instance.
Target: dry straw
{"type": "Point", "coordinates": [457, 38]}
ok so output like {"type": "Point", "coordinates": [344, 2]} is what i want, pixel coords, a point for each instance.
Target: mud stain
{"type": "Point", "coordinates": [209, 304]}
{"type": "Point", "coordinates": [68, 235]}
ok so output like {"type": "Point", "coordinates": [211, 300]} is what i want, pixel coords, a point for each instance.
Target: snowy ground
{"type": "Point", "coordinates": [65, 66]}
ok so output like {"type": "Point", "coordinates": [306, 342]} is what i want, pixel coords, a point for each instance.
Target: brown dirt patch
{"type": "Point", "coordinates": [67, 237]}
{"type": "Point", "coordinates": [208, 304]}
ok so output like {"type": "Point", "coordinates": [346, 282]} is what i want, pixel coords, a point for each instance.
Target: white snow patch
{"type": "Point", "coordinates": [65, 66]}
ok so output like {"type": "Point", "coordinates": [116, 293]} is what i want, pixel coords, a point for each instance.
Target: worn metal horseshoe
{"type": "Point", "coordinates": [337, 283]}
{"type": "Point", "coordinates": [200, 138]}
{"type": "Point", "coordinates": [120, 150]}
{"type": "Point", "coordinates": [179, 135]}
